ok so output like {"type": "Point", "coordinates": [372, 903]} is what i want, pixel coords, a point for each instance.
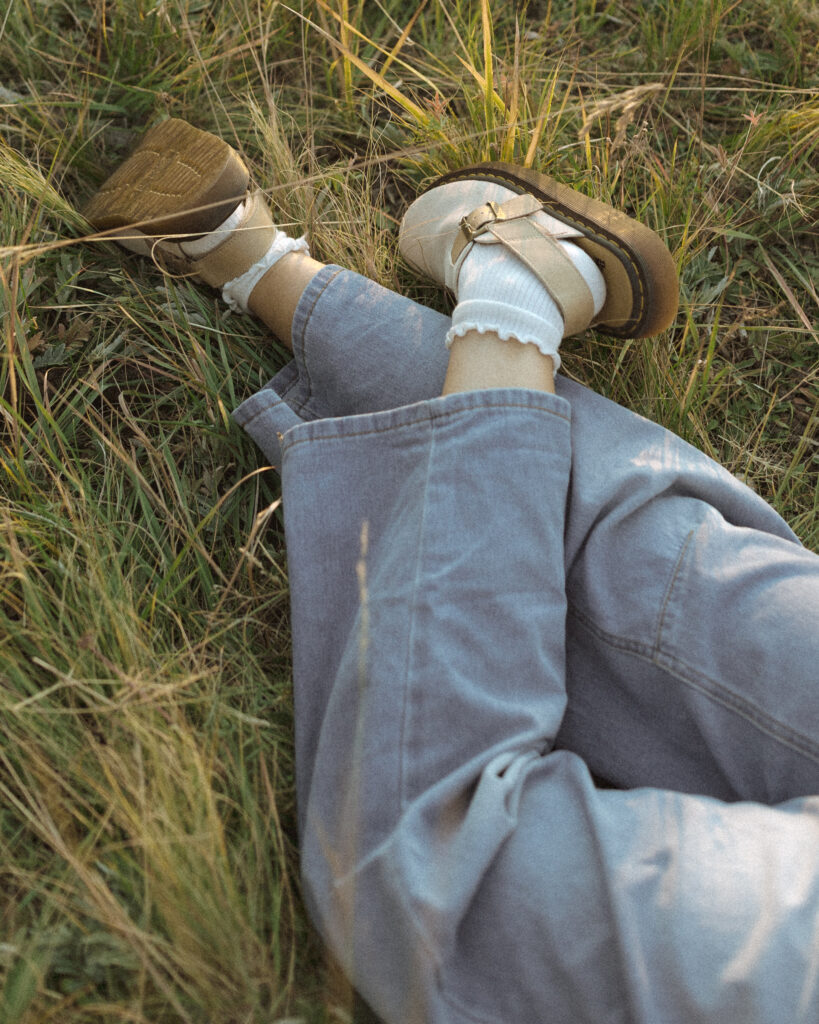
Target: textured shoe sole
{"type": "Point", "coordinates": [179, 180]}
{"type": "Point", "coordinates": [642, 290]}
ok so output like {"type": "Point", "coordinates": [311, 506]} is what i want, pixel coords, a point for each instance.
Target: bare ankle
{"type": "Point", "coordinates": [479, 360]}
{"type": "Point", "coordinates": [275, 297]}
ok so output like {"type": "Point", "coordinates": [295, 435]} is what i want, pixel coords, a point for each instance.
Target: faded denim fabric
{"type": "Point", "coordinates": [498, 596]}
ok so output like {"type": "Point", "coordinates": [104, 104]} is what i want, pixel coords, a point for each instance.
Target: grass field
{"type": "Point", "coordinates": [147, 849]}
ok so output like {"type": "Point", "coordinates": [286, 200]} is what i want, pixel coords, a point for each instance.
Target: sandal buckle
{"type": "Point", "coordinates": [476, 223]}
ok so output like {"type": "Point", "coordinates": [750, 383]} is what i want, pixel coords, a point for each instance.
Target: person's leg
{"type": "Point", "coordinates": [459, 865]}
{"type": "Point", "coordinates": [669, 705]}
{"type": "Point", "coordinates": [690, 596]}
{"type": "Point", "coordinates": [687, 593]}
{"type": "Point", "coordinates": [361, 669]}
{"type": "Point", "coordinates": [686, 703]}
{"type": "Point", "coordinates": [183, 198]}
{"type": "Point", "coordinates": [482, 360]}
{"type": "Point", "coordinates": [275, 298]}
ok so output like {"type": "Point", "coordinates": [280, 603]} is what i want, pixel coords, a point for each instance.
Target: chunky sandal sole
{"type": "Point", "coordinates": [642, 290]}
{"type": "Point", "coordinates": [181, 183]}
{"type": "Point", "coordinates": [179, 180]}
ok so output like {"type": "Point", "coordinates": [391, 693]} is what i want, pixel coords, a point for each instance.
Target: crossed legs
{"type": "Point", "coordinates": [479, 360]}
{"type": "Point", "coordinates": [456, 855]}
{"type": "Point", "coordinates": [687, 594]}
{"type": "Point", "coordinates": [669, 681]}
{"type": "Point", "coordinates": [493, 591]}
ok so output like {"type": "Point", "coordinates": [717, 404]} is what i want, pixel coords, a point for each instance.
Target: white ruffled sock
{"type": "Point", "coordinates": [236, 293]}
{"type": "Point", "coordinates": [498, 293]}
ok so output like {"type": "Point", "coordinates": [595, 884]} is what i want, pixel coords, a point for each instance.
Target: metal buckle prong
{"type": "Point", "coordinates": [475, 223]}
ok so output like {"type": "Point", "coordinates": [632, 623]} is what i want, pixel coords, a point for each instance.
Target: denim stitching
{"type": "Point", "coordinates": [616, 640]}
{"type": "Point", "coordinates": [427, 418]}
{"type": "Point", "coordinates": [733, 702]}
{"type": "Point", "coordinates": [304, 370]}
{"type": "Point", "coordinates": [705, 685]}
{"type": "Point", "coordinates": [675, 575]}
{"type": "Point", "coordinates": [244, 424]}
{"type": "Point", "coordinates": [411, 627]}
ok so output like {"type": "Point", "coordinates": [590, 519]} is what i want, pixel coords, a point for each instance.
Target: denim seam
{"type": "Point", "coordinates": [411, 627]}
{"type": "Point", "coordinates": [302, 409]}
{"type": "Point", "coordinates": [304, 370]}
{"type": "Point", "coordinates": [717, 692]}
{"type": "Point", "coordinates": [294, 384]}
{"type": "Point", "coordinates": [705, 685]}
{"type": "Point", "coordinates": [622, 643]}
{"type": "Point", "coordinates": [675, 575]}
{"type": "Point", "coordinates": [244, 424]}
{"type": "Point", "coordinates": [428, 418]}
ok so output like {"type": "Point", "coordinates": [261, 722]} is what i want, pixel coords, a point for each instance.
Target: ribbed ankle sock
{"type": "Point", "coordinates": [498, 293]}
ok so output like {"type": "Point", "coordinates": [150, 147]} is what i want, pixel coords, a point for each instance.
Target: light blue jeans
{"type": "Point", "coordinates": [499, 599]}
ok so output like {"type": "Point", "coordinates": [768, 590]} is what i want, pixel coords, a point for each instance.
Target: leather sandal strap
{"type": "Point", "coordinates": [481, 218]}
{"type": "Point", "coordinates": [543, 255]}
{"type": "Point", "coordinates": [241, 248]}
{"type": "Point", "coordinates": [511, 224]}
